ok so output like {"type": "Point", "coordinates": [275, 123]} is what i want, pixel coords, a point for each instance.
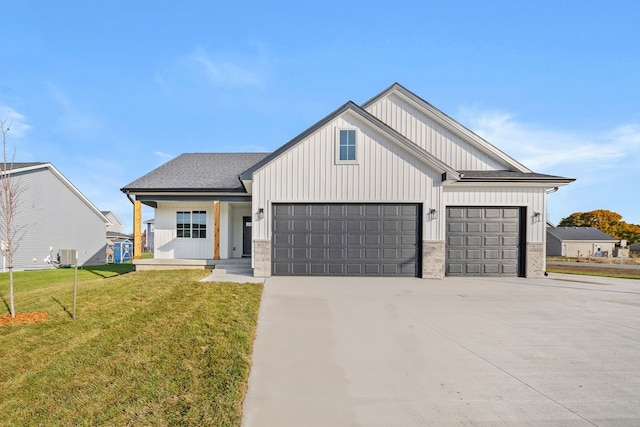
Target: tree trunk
{"type": "Point", "coordinates": [12, 307]}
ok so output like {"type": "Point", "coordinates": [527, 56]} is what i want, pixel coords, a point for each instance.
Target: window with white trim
{"type": "Point", "coordinates": [191, 224]}
{"type": "Point", "coordinates": [346, 146]}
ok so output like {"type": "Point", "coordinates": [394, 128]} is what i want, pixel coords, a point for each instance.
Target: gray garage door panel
{"type": "Point", "coordinates": [346, 239]}
{"type": "Point", "coordinates": [483, 241]}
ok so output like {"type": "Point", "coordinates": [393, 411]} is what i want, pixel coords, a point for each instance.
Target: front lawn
{"type": "Point", "coordinates": [148, 348]}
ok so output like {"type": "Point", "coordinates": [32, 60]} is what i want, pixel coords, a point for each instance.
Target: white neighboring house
{"type": "Point", "coordinates": [388, 188]}
{"type": "Point", "coordinates": [579, 242]}
{"type": "Point", "coordinates": [53, 214]}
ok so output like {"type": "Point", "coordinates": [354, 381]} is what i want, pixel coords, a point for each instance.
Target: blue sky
{"type": "Point", "coordinates": [107, 91]}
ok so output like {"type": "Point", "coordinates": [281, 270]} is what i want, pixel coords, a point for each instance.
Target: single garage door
{"type": "Point", "coordinates": [484, 241]}
{"type": "Point", "coordinates": [346, 239]}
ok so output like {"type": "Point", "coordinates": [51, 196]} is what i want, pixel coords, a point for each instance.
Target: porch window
{"type": "Point", "coordinates": [191, 224]}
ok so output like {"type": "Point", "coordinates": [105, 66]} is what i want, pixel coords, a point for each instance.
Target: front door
{"type": "Point", "coordinates": [246, 236]}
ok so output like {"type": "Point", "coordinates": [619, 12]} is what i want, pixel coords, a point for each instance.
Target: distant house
{"type": "Point", "coordinates": [392, 187]}
{"type": "Point", "coordinates": [635, 248]}
{"type": "Point", "coordinates": [574, 242]}
{"type": "Point", "coordinates": [115, 225]}
{"type": "Point", "coordinates": [115, 230]}
{"type": "Point", "coordinates": [53, 214]}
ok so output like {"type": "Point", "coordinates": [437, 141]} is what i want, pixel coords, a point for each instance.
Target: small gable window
{"type": "Point", "coordinates": [347, 145]}
{"type": "Point", "coordinates": [191, 224]}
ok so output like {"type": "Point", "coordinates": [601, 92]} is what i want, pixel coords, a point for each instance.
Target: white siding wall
{"type": "Point", "coordinates": [431, 136]}
{"type": "Point", "coordinates": [167, 245]}
{"type": "Point", "coordinates": [236, 214]}
{"type": "Point", "coordinates": [533, 198]}
{"type": "Point", "coordinates": [586, 249]}
{"type": "Point", "coordinates": [53, 216]}
{"type": "Point", "coordinates": [308, 173]}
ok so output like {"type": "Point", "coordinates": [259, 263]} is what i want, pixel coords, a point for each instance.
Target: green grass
{"type": "Point", "coordinates": [595, 271]}
{"type": "Point", "coordinates": [148, 348]}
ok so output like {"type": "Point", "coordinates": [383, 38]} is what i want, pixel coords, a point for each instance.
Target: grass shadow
{"type": "Point", "coordinates": [6, 304]}
{"type": "Point", "coordinates": [63, 306]}
{"type": "Point", "coordinates": [109, 270]}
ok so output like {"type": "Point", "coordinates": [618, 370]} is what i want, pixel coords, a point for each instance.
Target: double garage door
{"type": "Point", "coordinates": [346, 239]}
{"type": "Point", "coordinates": [384, 240]}
{"type": "Point", "coordinates": [485, 241]}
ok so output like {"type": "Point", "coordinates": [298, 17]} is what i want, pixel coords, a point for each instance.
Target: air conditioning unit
{"type": "Point", "coordinates": [67, 256]}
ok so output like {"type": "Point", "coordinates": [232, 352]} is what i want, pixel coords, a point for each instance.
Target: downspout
{"type": "Point", "coordinates": [133, 202]}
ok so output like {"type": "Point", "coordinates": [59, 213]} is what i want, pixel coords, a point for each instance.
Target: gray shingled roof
{"type": "Point", "coordinates": [198, 172]}
{"type": "Point", "coordinates": [20, 165]}
{"type": "Point", "coordinates": [579, 233]}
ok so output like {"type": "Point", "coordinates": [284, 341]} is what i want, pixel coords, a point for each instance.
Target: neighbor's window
{"type": "Point", "coordinates": [191, 224]}
{"type": "Point", "coordinates": [347, 145]}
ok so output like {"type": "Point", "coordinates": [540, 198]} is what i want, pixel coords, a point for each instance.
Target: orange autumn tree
{"type": "Point", "coordinates": [606, 221]}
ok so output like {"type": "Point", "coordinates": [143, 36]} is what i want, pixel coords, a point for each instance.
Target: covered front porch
{"type": "Point", "coordinates": [240, 266]}
{"type": "Point", "coordinates": [196, 233]}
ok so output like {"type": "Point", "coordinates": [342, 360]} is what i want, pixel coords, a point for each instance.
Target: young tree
{"type": "Point", "coordinates": [10, 190]}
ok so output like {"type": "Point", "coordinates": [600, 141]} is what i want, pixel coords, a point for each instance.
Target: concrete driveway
{"type": "Point", "coordinates": [558, 351]}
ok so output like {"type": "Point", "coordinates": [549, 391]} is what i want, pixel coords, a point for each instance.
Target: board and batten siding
{"type": "Point", "coordinates": [308, 173]}
{"type": "Point", "coordinates": [54, 217]}
{"type": "Point", "coordinates": [431, 136]}
{"type": "Point", "coordinates": [533, 198]}
{"type": "Point", "coordinates": [167, 245]}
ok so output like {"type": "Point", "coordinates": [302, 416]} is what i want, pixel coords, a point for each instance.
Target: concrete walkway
{"type": "Point", "coordinates": [217, 276]}
{"type": "Point", "coordinates": [558, 351]}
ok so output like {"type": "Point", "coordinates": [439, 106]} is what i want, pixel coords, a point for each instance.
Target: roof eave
{"type": "Point", "coordinates": [554, 181]}
{"type": "Point", "coordinates": [350, 106]}
{"type": "Point", "coordinates": [450, 124]}
{"type": "Point", "coordinates": [69, 185]}
{"type": "Point", "coordinates": [248, 174]}
{"type": "Point", "coordinates": [215, 191]}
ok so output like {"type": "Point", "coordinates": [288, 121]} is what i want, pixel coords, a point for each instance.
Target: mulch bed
{"type": "Point", "coordinates": [34, 317]}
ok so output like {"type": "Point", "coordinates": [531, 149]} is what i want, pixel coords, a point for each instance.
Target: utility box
{"type": "Point", "coordinates": [67, 256]}
{"type": "Point", "coordinates": [621, 252]}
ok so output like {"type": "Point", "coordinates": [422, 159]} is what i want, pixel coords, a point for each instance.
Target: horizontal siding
{"type": "Point", "coordinates": [308, 173]}
{"type": "Point", "coordinates": [51, 215]}
{"type": "Point", "coordinates": [433, 137]}
{"type": "Point", "coordinates": [533, 198]}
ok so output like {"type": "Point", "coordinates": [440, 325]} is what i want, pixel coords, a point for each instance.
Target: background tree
{"type": "Point", "coordinates": [10, 190]}
{"type": "Point", "coordinates": [606, 221]}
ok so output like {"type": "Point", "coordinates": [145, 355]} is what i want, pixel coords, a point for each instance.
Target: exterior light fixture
{"type": "Point", "coordinates": [537, 217]}
{"type": "Point", "coordinates": [260, 213]}
{"type": "Point", "coordinates": [433, 214]}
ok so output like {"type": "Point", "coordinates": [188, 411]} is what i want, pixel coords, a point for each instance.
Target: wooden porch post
{"type": "Point", "coordinates": [216, 229]}
{"type": "Point", "coordinates": [137, 227]}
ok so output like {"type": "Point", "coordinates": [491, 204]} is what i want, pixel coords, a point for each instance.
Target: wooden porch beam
{"type": "Point", "coordinates": [137, 229]}
{"type": "Point", "coordinates": [216, 229]}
